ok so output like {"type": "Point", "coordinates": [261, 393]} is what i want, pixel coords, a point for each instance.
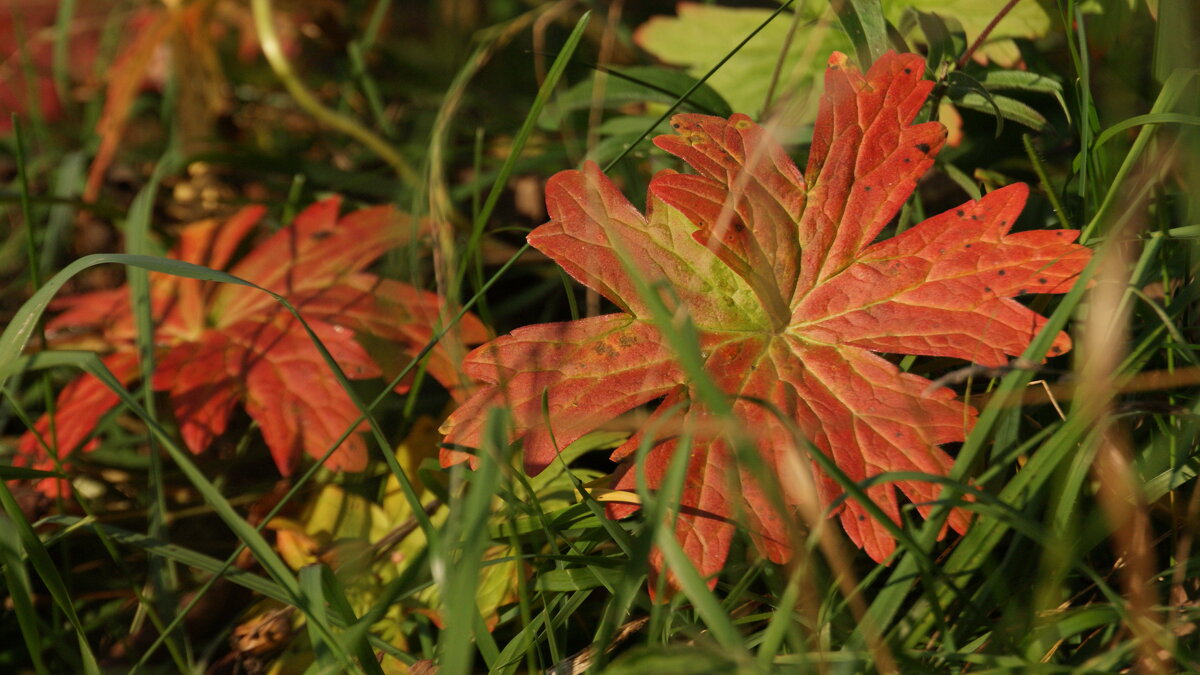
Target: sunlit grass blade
{"type": "Point", "coordinates": [458, 565]}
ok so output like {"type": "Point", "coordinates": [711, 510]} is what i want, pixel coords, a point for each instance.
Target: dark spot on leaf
{"type": "Point", "coordinates": [908, 71]}
{"type": "Point", "coordinates": [1004, 222]}
{"type": "Point", "coordinates": [941, 251]}
{"type": "Point", "coordinates": [923, 147]}
{"type": "Point", "coordinates": [867, 188]}
{"type": "Point", "coordinates": [899, 435]}
{"type": "Point", "coordinates": [960, 213]}
{"type": "Point", "coordinates": [627, 340]}
{"type": "Point", "coordinates": [1056, 350]}
{"type": "Point", "coordinates": [907, 160]}
{"type": "Point", "coordinates": [974, 217]}
{"type": "Point", "coordinates": [967, 246]}
{"type": "Point", "coordinates": [602, 349]}
{"type": "Point", "coordinates": [1002, 272]}
{"type": "Point", "coordinates": [862, 518]}
{"type": "Point", "coordinates": [321, 235]}
{"type": "Point", "coordinates": [1042, 280]}
{"type": "Point", "coordinates": [675, 125]}
{"type": "Point", "coordinates": [1022, 292]}
{"type": "Point", "coordinates": [987, 289]}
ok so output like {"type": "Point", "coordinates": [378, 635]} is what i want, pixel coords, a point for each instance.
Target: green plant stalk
{"type": "Point", "coordinates": [305, 99]}
{"type": "Point", "coordinates": [328, 599]}
{"type": "Point", "coordinates": [521, 138]}
{"type": "Point", "coordinates": [62, 41]}
{"type": "Point", "coordinates": [163, 579]}
{"type": "Point", "coordinates": [35, 277]}
{"type": "Point", "coordinates": [1040, 169]}
{"type": "Point", "coordinates": [369, 89]}
{"type": "Point", "coordinates": [1085, 105]}
{"type": "Point", "coordinates": [1112, 132]}
{"type": "Point", "coordinates": [33, 103]}
{"type": "Point", "coordinates": [777, 71]}
{"type": "Point", "coordinates": [204, 563]}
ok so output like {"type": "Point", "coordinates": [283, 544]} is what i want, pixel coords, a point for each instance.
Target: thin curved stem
{"type": "Point", "coordinates": [265, 29]}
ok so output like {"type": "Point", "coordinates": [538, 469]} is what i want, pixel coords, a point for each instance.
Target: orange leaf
{"type": "Point", "coordinates": [791, 297]}
{"type": "Point", "coordinates": [220, 346]}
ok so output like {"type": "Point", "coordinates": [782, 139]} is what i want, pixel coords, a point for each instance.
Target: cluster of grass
{"type": "Point", "coordinates": [1080, 473]}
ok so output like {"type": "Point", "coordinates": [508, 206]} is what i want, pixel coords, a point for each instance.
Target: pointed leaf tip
{"type": "Point", "coordinates": [792, 298]}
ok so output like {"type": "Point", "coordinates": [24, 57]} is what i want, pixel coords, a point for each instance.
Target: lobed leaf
{"type": "Point", "coordinates": [791, 298]}
{"type": "Point", "coordinates": [224, 345]}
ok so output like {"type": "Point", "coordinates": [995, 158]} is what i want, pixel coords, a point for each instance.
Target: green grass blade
{"type": "Point", "coordinates": [271, 562]}
{"type": "Point", "coordinates": [163, 580]}
{"type": "Point", "coordinates": [1173, 89]}
{"type": "Point", "coordinates": [179, 554]}
{"type": "Point", "coordinates": [20, 593]}
{"type": "Point", "coordinates": [1142, 120]}
{"type": "Point", "coordinates": [43, 565]}
{"type": "Point", "coordinates": [521, 138]}
{"type": "Point", "coordinates": [465, 539]}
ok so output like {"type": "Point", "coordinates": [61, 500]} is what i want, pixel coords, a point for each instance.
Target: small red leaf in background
{"type": "Point", "coordinates": [221, 345]}
{"type": "Point", "coordinates": [792, 298]}
{"type": "Point", "coordinates": [141, 62]}
{"type": "Point", "coordinates": [27, 48]}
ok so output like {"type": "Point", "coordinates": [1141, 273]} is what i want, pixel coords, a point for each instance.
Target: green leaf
{"type": "Point", "coordinates": [1027, 19]}
{"type": "Point", "coordinates": [1002, 106]}
{"type": "Point", "coordinates": [702, 34]}
{"type": "Point", "coordinates": [945, 36]}
{"type": "Point", "coordinates": [864, 23]}
{"type": "Point", "coordinates": [1019, 80]}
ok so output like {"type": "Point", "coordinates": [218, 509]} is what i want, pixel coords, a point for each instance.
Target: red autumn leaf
{"type": "Point", "coordinates": [27, 34]}
{"type": "Point", "coordinates": [27, 42]}
{"type": "Point", "coordinates": [190, 31]}
{"type": "Point", "coordinates": [220, 344]}
{"type": "Point", "coordinates": [791, 298]}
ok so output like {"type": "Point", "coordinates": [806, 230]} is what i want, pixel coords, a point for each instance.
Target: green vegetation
{"type": "Point", "coordinates": [133, 127]}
